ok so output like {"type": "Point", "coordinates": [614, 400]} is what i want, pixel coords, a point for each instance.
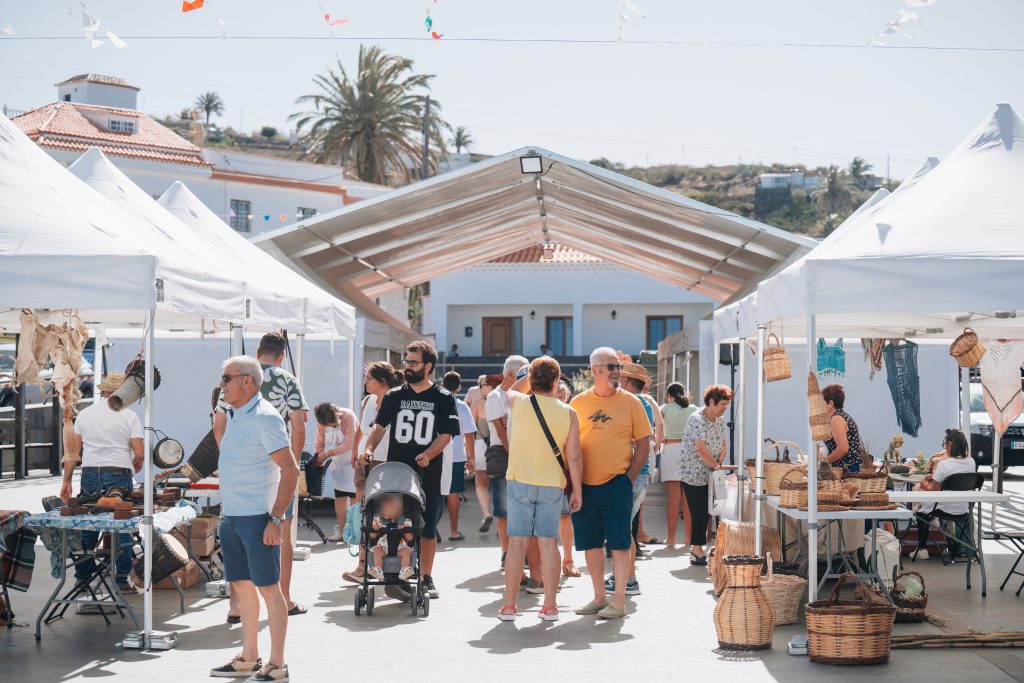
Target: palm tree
{"type": "Point", "coordinates": [374, 123]}
{"type": "Point", "coordinates": [211, 103]}
{"type": "Point", "coordinates": [834, 198]}
{"type": "Point", "coordinates": [859, 168]}
{"type": "Point", "coordinates": [463, 139]}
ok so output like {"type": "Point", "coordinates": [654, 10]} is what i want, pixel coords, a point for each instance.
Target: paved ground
{"type": "Point", "coordinates": [669, 634]}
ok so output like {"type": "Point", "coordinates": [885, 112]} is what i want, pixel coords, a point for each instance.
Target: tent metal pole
{"type": "Point", "coordinates": [300, 342]}
{"type": "Point", "coordinates": [812, 477]}
{"type": "Point", "coordinates": [689, 357]}
{"type": "Point", "coordinates": [741, 420]}
{"type": "Point", "coordinates": [236, 340]}
{"type": "Point", "coordinates": [147, 517]}
{"type": "Point", "coordinates": [350, 363]}
{"type": "Point", "coordinates": [965, 401]}
{"type": "Point", "coordinates": [717, 348]}
{"type": "Point", "coordinates": [759, 454]}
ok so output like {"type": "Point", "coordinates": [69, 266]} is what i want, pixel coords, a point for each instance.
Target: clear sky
{"type": "Point", "coordinates": [634, 103]}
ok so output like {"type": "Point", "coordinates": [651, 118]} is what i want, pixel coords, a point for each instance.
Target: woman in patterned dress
{"type": "Point", "coordinates": [844, 448]}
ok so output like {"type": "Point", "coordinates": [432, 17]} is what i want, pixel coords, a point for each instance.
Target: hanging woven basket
{"type": "Point", "coordinates": [967, 349]}
{"type": "Point", "coordinates": [776, 362]}
{"type": "Point", "coordinates": [816, 410]}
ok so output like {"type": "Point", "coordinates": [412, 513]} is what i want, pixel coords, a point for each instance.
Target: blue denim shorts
{"type": "Point", "coordinates": [639, 493]}
{"type": "Point", "coordinates": [246, 556]}
{"type": "Point", "coordinates": [432, 513]}
{"type": "Point", "coordinates": [534, 510]}
{"type": "Point", "coordinates": [499, 497]}
{"type": "Point", "coordinates": [605, 515]}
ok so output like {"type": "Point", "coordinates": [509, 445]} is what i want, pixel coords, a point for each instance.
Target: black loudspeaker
{"type": "Point", "coordinates": [729, 354]}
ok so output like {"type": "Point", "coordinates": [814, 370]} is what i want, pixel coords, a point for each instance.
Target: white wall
{"type": "Point", "coordinates": [628, 332]}
{"type": "Point", "coordinates": [460, 317]}
{"type": "Point", "coordinates": [85, 92]}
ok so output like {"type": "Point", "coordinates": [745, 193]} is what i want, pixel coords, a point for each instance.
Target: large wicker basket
{"type": "Point", "coordinates": [870, 482]}
{"type": "Point", "coordinates": [850, 631]}
{"type": "Point", "coordinates": [776, 361]}
{"type": "Point", "coordinates": [793, 491]}
{"type": "Point", "coordinates": [775, 470]}
{"type": "Point", "coordinates": [817, 412]}
{"type": "Point", "coordinates": [909, 610]}
{"type": "Point", "coordinates": [744, 617]}
{"type": "Point", "coordinates": [785, 592]}
{"type": "Point", "coordinates": [966, 349]}
{"type": "Point", "coordinates": [737, 538]}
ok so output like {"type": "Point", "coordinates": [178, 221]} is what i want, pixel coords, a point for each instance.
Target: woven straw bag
{"type": "Point", "coordinates": [816, 410]}
{"type": "Point", "coordinates": [776, 361]}
{"type": "Point", "coordinates": [850, 632]}
{"type": "Point", "coordinates": [744, 617]}
{"type": "Point", "coordinates": [785, 592]}
{"type": "Point", "coordinates": [967, 349]}
{"type": "Point", "coordinates": [909, 610]}
{"type": "Point", "coordinates": [775, 470]}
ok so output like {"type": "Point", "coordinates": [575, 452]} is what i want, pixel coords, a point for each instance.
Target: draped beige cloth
{"type": "Point", "coordinates": [59, 343]}
{"type": "Point", "coordinates": [1001, 381]}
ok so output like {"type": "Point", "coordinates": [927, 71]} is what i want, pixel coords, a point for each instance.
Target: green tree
{"type": "Point", "coordinates": [211, 103]}
{"type": "Point", "coordinates": [268, 132]}
{"type": "Point", "coordinates": [372, 124]}
{"type": "Point", "coordinates": [859, 168]}
{"type": "Point", "coordinates": [463, 139]}
{"type": "Point", "coordinates": [834, 198]}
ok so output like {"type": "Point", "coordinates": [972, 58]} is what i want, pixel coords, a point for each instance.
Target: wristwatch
{"type": "Point", "coordinates": [276, 521]}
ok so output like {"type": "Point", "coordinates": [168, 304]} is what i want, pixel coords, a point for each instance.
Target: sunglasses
{"type": "Point", "coordinates": [227, 378]}
{"type": "Point", "coordinates": [613, 367]}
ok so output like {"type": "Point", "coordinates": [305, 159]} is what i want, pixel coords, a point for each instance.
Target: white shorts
{"type": "Point", "coordinates": [478, 455]}
{"type": "Point", "coordinates": [671, 454]}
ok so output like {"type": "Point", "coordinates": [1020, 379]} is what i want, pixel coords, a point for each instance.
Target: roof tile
{"type": "Point", "coordinates": [534, 254]}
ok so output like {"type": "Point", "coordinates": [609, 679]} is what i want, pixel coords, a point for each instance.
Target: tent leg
{"type": "Point", "coordinates": [740, 398]}
{"type": "Point", "coordinates": [236, 340]}
{"type": "Point", "coordinates": [812, 477]}
{"type": "Point", "coordinates": [759, 454]}
{"type": "Point", "coordinates": [147, 517]}
{"type": "Point", "coordinates": [350, 363]}
{"type": "Point", "coordinates": [299, 348]}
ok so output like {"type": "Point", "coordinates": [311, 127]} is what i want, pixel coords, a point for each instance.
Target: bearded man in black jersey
{"type": "Point", "coordinates": [423, 419]}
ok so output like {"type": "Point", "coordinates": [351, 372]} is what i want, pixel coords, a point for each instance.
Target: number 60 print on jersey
{"type": "Point", "coordinates": [416, 420]}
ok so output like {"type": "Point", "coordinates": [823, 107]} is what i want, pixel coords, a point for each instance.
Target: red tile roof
{"type": "Point", "coordinates": [62, 125]}
{"type": "Point", "coordinates": [533, 254]}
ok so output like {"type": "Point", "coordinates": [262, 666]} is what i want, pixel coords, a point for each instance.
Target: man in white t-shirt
{"type": "Point", "coordinates": [109, 446]}
{"type": "Point", "coordinates": [453, 479]}
{"type": "Point", "coordinates": [497, 420]}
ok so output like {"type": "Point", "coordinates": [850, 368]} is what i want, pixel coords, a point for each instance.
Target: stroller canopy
{"type": "Point", "coordinates": [393, 477]}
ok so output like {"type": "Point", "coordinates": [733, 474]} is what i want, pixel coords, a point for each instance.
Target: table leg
{"type": "Point", "coordinates": [981, 556]}
{"type": "Point", "coordinates": [60, 586]}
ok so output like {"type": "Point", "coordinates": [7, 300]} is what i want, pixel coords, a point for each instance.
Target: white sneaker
{"type": "Point", "coordinates": [377, 573]}
{"type": "Point", "coordinates": [405, 573]}
{"type": "Point", "coordinates": [919, 554]}
{"type": "Point", "coordinates": [336, 536]}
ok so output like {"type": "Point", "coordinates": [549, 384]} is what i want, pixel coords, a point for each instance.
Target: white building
{"type": "Point", "coordinates": [571, 303]}
{"type": "Point", "coordinates": [794, 180]}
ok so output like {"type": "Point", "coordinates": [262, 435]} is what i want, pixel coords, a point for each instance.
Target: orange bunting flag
{"type": "Point", "coordinates": [187, 6]}
{"type": "Point", "coordinates": [336, 22]}
{"type": "Point", "coordinates": [436, 36]}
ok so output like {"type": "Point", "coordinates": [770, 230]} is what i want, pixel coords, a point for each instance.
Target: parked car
{"type": "Point", "coordinates": [34, 394]}
{"type": "Point", "coordinates": [1012, 442]}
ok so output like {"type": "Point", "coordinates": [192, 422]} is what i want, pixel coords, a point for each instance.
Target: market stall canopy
{"type": "Point", "coordinates": [56, 248]}
{"type": "Point", "coordinates": [300, 306]}
{"type": "Point", "coordinates": [944, 252]}
{"type": "Point", "coordinates": [521, 199]}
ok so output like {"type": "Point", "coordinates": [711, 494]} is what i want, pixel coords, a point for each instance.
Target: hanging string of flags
{"type": "Point", "coordinates": [903, 17]}
{"type": "Point", "coordinates": [92, 28]}
{"type": "Point", "coordinates": [429, 21]}
{"type": "Point", "coordinates": [629, 17]}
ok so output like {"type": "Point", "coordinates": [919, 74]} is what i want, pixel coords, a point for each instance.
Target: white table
{"type": "Point", "coordinates": [837, 516]}
{"type": "Point", "coordinates": [976, 497]}
{"type": "Point", "coordinates": [907, 480]}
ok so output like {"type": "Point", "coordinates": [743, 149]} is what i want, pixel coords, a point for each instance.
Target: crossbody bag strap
{"type": "Point", "coordinates": [547, 432]}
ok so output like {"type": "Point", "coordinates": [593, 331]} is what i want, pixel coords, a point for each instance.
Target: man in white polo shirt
{"type": "Point", "coordinates": [109, 446]}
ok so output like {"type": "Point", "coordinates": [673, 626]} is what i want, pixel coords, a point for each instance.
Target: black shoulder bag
{"type": "Point", "coordinates": [554, 446]}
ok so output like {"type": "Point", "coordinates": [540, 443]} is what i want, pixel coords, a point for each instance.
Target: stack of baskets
{"type": "Point", "coordinates": [909, 610]}
{"type": "Point", "coordinates": [875, 501]}
{"type": "Point", "coordinates": [785, 592]}
{"type": "Point", "coordinates": [850, 631]}
{"type": "Point", "coordinates": [744, 617]}
{"type": "Point", "coordinates": [816, 410]}
{"type": "Point", "coordinates": [966, 349]}
{"type": "Point", "coordinates": [737, 538]}
{"type": "Point", "coordinates": [775, 470]}
{"type": "Point", "coordinates": [870, 482]}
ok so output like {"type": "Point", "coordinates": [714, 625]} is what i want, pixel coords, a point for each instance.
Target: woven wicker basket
{"type": "Point", "coordinates": [967, 349]}
{"type": "Point", "coordinates": [737, 538]}
{"type": "Point", "coordinates": [908, 610]}
{"type": "Point", "coordinates": [776, 361]}
{"type": "Point", "coordinates": [873, 499]}
{"type": "Point", "coordinates": [785, 592]}
{"type": "Point", "coordinates": [793, 491]}
{"type": "Point", "coordinates": [849, 631]}
{"type": "Point", "coordinates": [875, 482]}
{"type": "Point", "coordinates": [775, 470]}
{"type": "Point", "coordinates": [744, 617]}
{"type": "Point", "coordinates": [816, 410]}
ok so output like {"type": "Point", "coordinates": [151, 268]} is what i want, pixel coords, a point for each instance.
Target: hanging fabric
{"type": "Point", "coordinates": [873, 349]}
{"type": "Point", "coordinates": [1000, 381]}
{"type": "Point", "coordinates": [904, 384]}
{"type": "Point", "coordinates": [831, 359]}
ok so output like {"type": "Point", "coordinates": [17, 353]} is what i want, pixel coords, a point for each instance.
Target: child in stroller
{"type": "Point", "coordinates": [390, 537]}
{"type": "Point", "coordinates": [390, 516]}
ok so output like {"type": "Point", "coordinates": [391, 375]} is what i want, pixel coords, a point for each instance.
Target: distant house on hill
{"type": "Point", "coordinates": [794, 180]}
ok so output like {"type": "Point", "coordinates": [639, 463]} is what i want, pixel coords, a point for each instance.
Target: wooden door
{"type": "Point", "coordinates": [497, 336]}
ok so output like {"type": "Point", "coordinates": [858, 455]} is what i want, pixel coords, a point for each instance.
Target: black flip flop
{"type": "Point", "coordinates": [233, 619]}
{"type": "Point", "coordinates": [297, 610]}
{"type": "Point", "coordinates": [460, 537]}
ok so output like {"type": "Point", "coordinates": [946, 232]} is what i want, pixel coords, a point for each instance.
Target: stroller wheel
{"type": "Point", "coordinates": [359, 602]}
{"type": "Point", "coordinates": [426, 605]}
{"type": "Point", "coordinates": [415, 602]}
{"type": "Point", "coordinates": [369, 602]}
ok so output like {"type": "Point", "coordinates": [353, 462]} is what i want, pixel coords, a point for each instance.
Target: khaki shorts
{"type": "Point", "coordinates": [362, 471]}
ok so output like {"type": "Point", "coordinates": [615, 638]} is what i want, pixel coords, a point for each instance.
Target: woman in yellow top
{"type": "Point", "coordinates": [536, 481]}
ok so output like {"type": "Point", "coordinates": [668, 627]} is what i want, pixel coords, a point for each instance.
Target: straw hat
{"type": "Point", "coordinates": [112, 382]}
{"type": "Point", "coordinates": [635, 371]}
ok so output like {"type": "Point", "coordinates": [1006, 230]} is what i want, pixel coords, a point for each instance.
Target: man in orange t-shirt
{"type": "Point", "coordinates": [614, 432]}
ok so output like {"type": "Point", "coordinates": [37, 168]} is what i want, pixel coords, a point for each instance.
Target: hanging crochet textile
{"type": "Point", "coordinates": [873, 349]}
{"type": "Point", "coordinates": [831, 359]}
{"type": "Point", "coordinates": [904, 385]}
{"type": "Point", "coordinates": [1000, 380]}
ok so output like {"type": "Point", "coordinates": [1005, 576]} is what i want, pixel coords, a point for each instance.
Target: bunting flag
{"type": "Point", "coordinates": [187, 6]}
{"type": "Point", "coordinates": [335, 22]}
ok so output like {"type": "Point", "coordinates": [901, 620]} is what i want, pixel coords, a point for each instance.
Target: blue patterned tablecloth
{"type": "Point", "coordinates": [102, 521]}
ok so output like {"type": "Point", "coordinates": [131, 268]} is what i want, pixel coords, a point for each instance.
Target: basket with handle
{"type": "Point", "coordinates": [776, 361]}
{"type": "Point", "coordinates": [850, 631]}
{"type": "Point", "coordinates": [870, 482]}
{"type": "Point", "coordinates": [967, 349]}
{"type": "Point", "coordinates": [737, 538]}
{"type": "Point", "coordinates": [744, 617]}
{"type": "Point", "coordinates": [775, 470]}
{"type": "Point", "coordinates": [817, 412]}
{"type": "Point", "coordinates": [785, 592]}
{"type": "Point", "coordinates": [793, 491]}
{"type": "Point", "coordinates": [909, 610]}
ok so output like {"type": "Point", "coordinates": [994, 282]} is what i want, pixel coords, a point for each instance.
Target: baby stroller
{"type": "Point", "coordinates": [392, 478]}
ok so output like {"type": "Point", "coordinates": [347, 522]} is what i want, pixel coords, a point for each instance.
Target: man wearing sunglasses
{"type": "Point", "coordinates": [423, 420]}
{"type": "Point", "coordinates": [614, 432]}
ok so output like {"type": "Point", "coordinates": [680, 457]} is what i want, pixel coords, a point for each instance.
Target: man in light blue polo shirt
{"type": "Point", "coordinates": [257, 480]}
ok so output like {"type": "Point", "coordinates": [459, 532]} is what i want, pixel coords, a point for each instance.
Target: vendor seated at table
{"type": "Point", "coordinates": [947, 445]}
{"type": "Point", "coordinates": [844, 448]}
{"type": "Point", "coordinates": [959, 460]}
{"type": "Point", "coordinates": [109, 445]}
